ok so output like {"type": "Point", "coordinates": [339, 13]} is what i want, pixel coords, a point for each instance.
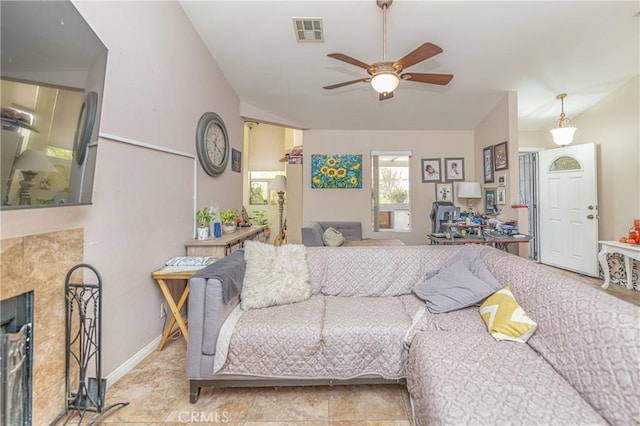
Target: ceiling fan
{"type": "Point", "coordinates": [384, 76]}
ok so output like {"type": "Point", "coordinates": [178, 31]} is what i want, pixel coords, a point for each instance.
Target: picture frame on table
{"type": "Point", "coordinates": [487, 161]}
{"type": "Point", "coordinates": [431, 170]}
{"type": "Point", "coordinates": [501, 179]}
{"type": "Point", "coordinates": [454, 168]}
{"type": "Point", "coordinates": [500, 156]}
{"type": "Point", "coordinates": [444, 192]}
{"type": "Point", "coordinates": [501, 196]}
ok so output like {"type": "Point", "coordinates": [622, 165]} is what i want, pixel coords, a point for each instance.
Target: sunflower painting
{"type": "Point", "coordinates": [336, 171]}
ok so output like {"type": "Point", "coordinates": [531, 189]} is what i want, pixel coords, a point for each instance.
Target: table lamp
{"type": "Point", "coordinates": [30, 162]}
{"type": "Point", "coordinates": [279, 184]}
{"type": "Point", "coordinates": [469, 190]}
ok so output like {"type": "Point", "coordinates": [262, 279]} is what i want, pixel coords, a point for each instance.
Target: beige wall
{"type": "Point", "coordinates": [613, 125]}
{"type": "Point", "coordinates": [355, 204]}
{"type": "Point", "coordinates": [158, 84]}
{"type": "Point", "coordinates": [500, 125]}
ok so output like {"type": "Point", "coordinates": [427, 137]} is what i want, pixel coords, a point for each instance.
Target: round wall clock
{"type": "Point", "coordinates": [212, 144]}
{"type": "Point", "coordinates": [84, 128]}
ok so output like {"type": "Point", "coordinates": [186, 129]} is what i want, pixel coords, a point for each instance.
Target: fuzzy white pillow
{"type": "Point", "coordinates": [274, 275]}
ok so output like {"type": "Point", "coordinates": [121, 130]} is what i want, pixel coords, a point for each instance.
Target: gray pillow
{"type": "Point", "coordinates": [471, 259]}
{"type": "Point", "coordinates": [457, 286]}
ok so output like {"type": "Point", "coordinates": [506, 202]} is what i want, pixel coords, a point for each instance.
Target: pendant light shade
{"type": "Point", "coordinates": [565, 129]}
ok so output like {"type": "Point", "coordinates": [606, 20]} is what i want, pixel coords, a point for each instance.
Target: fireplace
{"type": "Point", "coordinates": [16, 359]}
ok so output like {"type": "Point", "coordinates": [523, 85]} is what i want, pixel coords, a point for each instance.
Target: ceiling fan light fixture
{"type": "Point", "coordinates": [565, 129]}
{"type": "Point", "coordinates": [385, 82]}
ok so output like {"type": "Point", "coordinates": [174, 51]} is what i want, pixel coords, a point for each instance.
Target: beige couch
{"type": "Point", "coordinates": [363, 324]}
{"type": "Point", "coordinates": [579, 367]}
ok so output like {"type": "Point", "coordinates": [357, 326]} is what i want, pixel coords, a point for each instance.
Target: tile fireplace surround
{"type": "Point", "coordinates": [40, 263]}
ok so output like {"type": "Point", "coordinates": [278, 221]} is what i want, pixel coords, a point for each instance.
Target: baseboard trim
{"type": "Point", "coordinates": [130, 364]}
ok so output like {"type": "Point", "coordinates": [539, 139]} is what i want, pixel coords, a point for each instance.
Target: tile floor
{"type": "Point", "coordinates": [158, 394]}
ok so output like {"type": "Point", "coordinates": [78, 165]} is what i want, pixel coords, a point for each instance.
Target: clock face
{"type": "Point", "coordinates": [212, 144]}
{"type": "Point", "coordinates": [215, 144]}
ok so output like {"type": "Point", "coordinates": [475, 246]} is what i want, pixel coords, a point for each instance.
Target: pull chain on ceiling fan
{"type": "Point", "coordinates": [384, 76]}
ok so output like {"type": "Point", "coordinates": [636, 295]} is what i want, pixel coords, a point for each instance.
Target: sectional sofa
{"type": "Point", "coordinates": [312, 234]}
{"type": "Point", "coordinates": [359, 321]}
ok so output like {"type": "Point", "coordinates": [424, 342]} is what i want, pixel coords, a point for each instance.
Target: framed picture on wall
{"type": "Point", "coordinates": [487, 162]}
{"type": "Point", "coordinates": [501, 196]}
{"type": "Point", "coordinates": [502, 179]}
{"type": "Point", "coordinates": [444, 192]}
{"type": "Point", "coordinates": [500, 156]}
{"type": "Point", "coordinates": [454, 168]}
{"type": "Point", "coordinates": [490, 201]}
{"type": "Point", "coordinates": [236, 160]}
{"type": "Point", "coordinates": [431, 170]}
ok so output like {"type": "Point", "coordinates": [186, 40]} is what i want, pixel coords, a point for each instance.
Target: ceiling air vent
{"type": "Point", "coordinates": [308, 30]}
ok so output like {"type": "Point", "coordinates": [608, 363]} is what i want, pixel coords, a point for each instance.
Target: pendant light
{"type": "Point", "coordinates": [565, 129]}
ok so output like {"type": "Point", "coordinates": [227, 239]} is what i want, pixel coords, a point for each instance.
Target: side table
{"type": "Point", "coordinates": [174, 273]}
{"type": "Point", "coordinates": [629, 251]}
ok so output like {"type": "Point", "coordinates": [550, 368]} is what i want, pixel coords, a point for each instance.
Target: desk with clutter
{"type": "Point", "coordinates": [450, 226]}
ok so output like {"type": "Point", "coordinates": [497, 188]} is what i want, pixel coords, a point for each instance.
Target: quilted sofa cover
{"type": "Point", "coordinates": [580, 366]}
{"type": "Point", "coordinates": [352, 327]}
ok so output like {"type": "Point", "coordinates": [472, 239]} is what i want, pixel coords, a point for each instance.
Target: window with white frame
{"type": "Point", "coordinates": [390, 192]}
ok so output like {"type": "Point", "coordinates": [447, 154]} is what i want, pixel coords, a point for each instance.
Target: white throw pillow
{"type": "Point", "coordinates": [274, 275]}
{"type": "Point", "coordinates": [332, 237]}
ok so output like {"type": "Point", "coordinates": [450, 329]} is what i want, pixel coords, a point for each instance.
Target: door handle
{"type": "Point", "coordinates": [590, 216]}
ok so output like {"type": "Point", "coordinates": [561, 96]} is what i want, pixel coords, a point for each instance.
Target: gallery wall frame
{"type": "Point", "coordinates": [500, 156]}
{"type": "Point", "coordinates": [236, 160]}
{"type": "Point", "coordinates": [487, 162]}
{"type": "Point", "coordinates": [454, 169]}
{"type": "Point", "coordinates": [431, 170]}
{"type": "Point", "coordinates": [490, 201]}
{"type": "Point", "coordinates": [501, 196]}
{"type": "Point", "coordinates": [444, 192]}
{"type": "Point", "coordinates": [501, 179]}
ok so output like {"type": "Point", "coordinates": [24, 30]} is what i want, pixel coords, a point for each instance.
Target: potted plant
{"type": "Point", "coordinates": [203, 218]}
{"type": "Point", "coordinates": [228, 218]}
{"type": "Point", "coordinates": [259, 218]}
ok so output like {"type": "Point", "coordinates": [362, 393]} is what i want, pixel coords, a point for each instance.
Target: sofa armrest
{"type": "Point", "coordinates": [312, 235]}
{"type": "Point", "coordinates": [209, 308]}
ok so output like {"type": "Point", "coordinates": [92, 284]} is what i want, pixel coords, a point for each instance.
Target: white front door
{"type": "Point", "coordinates": [568, 208]}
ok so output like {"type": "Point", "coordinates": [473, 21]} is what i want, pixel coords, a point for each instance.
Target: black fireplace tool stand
{"type": "Point", "coordinates": [83, 343]}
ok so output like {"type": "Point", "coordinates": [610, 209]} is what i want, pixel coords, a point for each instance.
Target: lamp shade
{"type": "Point", "coordinates": [385, 82]}
{"type": "Point", "coordinates": [469, 190]}
{"type": "Point", "coordinates": [278, 184]}
{"type": "Point", "coordinates": [563, 135]}
{"type": "Point", "coordinates": [35, 161]}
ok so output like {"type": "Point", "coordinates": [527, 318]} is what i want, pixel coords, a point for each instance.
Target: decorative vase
{"type": "Point", "coordinates": [203, 233]}
{"type": "Point", "coordinates": [228, 228]}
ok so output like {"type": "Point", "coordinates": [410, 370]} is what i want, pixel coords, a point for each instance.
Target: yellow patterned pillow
{"type": "Point", "coordinates": [505, 319]}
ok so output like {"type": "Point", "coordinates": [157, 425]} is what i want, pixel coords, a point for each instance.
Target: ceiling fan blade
{"type": "Point", "coordinates": [425, 51]}
{"type": "Point", "coordinates": [441, 79]}
{"type": "Point", "coordinates": [346, 83]}
{"type": "Point", "coordinates": [349, 60]}
{"type": "Point", "coordinates": [385, 96]}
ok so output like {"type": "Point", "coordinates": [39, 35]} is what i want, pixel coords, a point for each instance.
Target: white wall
{"type": "Point", "coordinates": [613, 125]}
{"type": "Point", "coordinates": [160, 80]}
{"type": "Point", "coordinates": [355, 204]}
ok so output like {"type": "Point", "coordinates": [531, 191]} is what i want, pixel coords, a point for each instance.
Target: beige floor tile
{"type": "Point", "coordinates": [369, 423]}
{"type": "Point", "coordinates": [366, 402]}
{"type": "Point", "coordinates": [291, 403]}
{"type": "Point", "coordinates": [220, 405]}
